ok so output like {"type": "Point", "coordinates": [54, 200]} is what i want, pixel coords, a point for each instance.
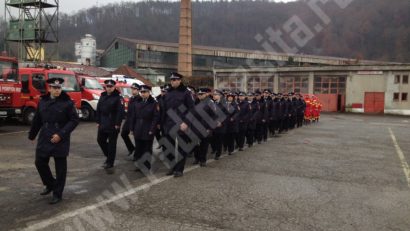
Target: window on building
{"type": "Point", "coordinates": [199, 61]}
{"type": "Point", "coordinates": [329, 85]}
{"type": "Point", "coordinates": [403, 96]}
{"type": "Point", "coordinates": [233, 83]}
{"type": "Point", "coordinates": [116, 45]}
{"type": "Point", "coordinates": [260, 82]}
{"type": "Point", "coordinates": [397, 79]}
{"type": "Point", "coordinates": [405, 79]}
{"type": "Point", "coordinates": [298, 84]}
{"type": "Point", "coordinates": [396, 96]}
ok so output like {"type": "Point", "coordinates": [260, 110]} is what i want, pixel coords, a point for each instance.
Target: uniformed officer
{"type": "Point", "coordinates": [250, 133]}
{"type": "Point", "coordinates": [160, 100]}
{"type": "Point", "coordinates": [143, 122]}
{"type": "Point", "coordinates": [289, 105]}
{"type": "Point", "coordinates": [268, 129]}
{"type": "Point", "coordinates": [275, 114]}
{"type": "Point", "coordinates": [110, 112]}
{"type": "Point", "coordinates": [55, 119]}
{"type": "Point", "coordinates": [259, 115]}
{"type": "Point", "coordinates": [294, 112]}
{"type": "Point", "coordinates": [177, 104]}
{"type": "Point", "coordinates": [300, 110]}
{"type": "Point", "coordinates": [232, 123]}
{"type": "Point", "coordinates": [265, 103]}
{"type": "Point", "coordinates": [243, 119]}
{"type": "Point", "coordinates": [285, 108]}
{"type": "Point", "coordinates": [220, 130]}
{"type": "Point", "coordinates": [204, 105]}
{"type": "Point", "coordinates": [135, 97]}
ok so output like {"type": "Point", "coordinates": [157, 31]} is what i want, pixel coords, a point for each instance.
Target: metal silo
{"type": "Point", "coordinates": [88, 50]}
{"type": "Point", "coordinates": [77, 52]}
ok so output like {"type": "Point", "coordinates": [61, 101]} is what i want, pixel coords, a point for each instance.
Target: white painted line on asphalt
{"type": "Point", "coordinates": [12, 133]}
{"type": "Point", "coordinates": [53, 220]}
{"type": "Point", "coordinates": [19, 132]}
{"type": "Point", "coordinates": [45, 223]}
{"type": "Point", "coordinates": [403, 161]}
{"type": "Point", "coordinates": [389, 124]}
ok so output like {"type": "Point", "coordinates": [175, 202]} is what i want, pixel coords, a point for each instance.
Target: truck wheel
{"type": "Point", "coordinates": [88, 112]}
{"type": "Point", "coordinates": [29, 115]}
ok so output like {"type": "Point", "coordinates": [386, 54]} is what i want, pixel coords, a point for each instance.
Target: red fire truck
{"type": "Point", "coordinates": [21, 88]}
{"type": "Point", "coordinates": [91, 91]}
{"type": "Point", "coordinates": [9, 73]}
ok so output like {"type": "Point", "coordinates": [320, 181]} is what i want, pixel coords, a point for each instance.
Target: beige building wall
{"type": "Point", "coordinates": [360, 79]}
{"type": "Point", "coordinates": [401, 107]}
{"type": "Point", "coordinates": [358, 84]}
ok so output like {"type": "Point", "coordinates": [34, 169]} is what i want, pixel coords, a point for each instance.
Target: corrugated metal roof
{"type": "Point", "coordinates": [256, 54]}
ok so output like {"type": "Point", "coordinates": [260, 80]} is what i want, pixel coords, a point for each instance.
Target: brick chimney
{"type": "Point", "coordinates": [185, 39]}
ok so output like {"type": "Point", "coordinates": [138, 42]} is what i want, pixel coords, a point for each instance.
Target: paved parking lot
{"type": "Point", "coordinates": [348, 172]}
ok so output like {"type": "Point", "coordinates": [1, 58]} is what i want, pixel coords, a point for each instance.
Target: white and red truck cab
{"type": "Point", "coordinates": [91, 91]}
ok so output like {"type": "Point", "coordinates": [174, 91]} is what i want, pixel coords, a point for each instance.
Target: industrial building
{"type": "Point", "coordinates": [354, 88]}
{"type": "Point", "coordinates": [163, 57]}
{"type": "Point", "coordinates": [342, 84]}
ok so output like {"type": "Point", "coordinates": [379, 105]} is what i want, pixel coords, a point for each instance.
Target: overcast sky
{"type": "Point", "coordinates": [71, 6]}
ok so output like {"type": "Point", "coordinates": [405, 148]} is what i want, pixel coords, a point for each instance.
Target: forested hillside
{"type": "Point", "coordinates": [376, 29]}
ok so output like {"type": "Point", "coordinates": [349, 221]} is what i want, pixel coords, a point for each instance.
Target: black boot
{"type": "Point", "coordinates": [46, 191]}
{"type": "Point", "coordinates": [55, 200]}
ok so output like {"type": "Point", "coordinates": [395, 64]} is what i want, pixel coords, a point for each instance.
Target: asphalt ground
{"type": "Point", "coordinates": [348, 172]}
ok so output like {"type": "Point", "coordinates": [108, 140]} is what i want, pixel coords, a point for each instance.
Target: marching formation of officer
{"type": "Point", "coordinates": [186, 122]}
{"type": "Point", "coordinates": [55, 119]}
{"type": "Point", "coordinates": [183, 121]}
